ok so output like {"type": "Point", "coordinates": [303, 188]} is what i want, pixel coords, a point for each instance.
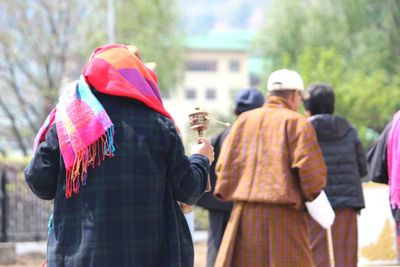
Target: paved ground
{"type": "Point", "coordinates": [36, 259]}
{"type": "Point", "coordinates": [33, 254]}
{"type": "Point", "coordinates": [376, 235]}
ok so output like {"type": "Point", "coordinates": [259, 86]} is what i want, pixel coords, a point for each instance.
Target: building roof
{"type": "Point", "coordinates": [221, 41]}
{"type": "Point", "coordinates": [230, 40]}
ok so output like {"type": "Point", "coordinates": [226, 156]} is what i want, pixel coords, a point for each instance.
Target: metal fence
{"type": "Point", "coordinates": [23, 216]}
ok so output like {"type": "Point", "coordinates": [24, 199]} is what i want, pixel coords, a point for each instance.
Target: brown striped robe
{"type": "Point", "coordinates": [269, 165]}
{"type": "Point", "coordinates": [344, 239]}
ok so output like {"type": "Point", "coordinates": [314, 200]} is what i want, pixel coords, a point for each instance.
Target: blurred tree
{"type": "Point", "coordinates": [45, 43]}
{"type": "Point", "coordinates": [283, 33]}
{"type": "Point", "coordinates": [365, 32]}
{"type": "Point", "coordinates": [153, 26]}
{"type": "Point", "coordinates": [368, 99]}
{"type": "Point", "coordinates": [350, 44]}
{"type": "Point", "coordinates": [35, 37]}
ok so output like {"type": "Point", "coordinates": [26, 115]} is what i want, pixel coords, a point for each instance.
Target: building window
{"type": "Point", "coordinates": [190, 93]}
{"type": "Point", "coordinates": [234, 65]}
{"type": "Point", "coordinates": [201, 65]}
{"type": "Point", "coordinates": [211, 93]}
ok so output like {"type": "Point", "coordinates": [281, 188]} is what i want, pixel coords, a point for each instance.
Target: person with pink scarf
{"type": "Point", "coordinates": [384, 160]}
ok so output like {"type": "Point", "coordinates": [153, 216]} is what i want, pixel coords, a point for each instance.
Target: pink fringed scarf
{"type": "Point", "coordinates": [393, 153]}
{"type": "Point", "coordinates": [84, 129]}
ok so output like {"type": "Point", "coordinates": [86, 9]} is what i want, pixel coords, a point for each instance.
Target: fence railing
{"type": "Point", "coordinates": [23, 217]}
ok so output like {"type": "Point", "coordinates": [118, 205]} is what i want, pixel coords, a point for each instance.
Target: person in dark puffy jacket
{"type": "Point", "coordinates": [346, 164]}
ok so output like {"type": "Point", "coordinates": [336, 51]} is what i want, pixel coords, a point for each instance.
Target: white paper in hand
{"type": "Point", "coordinates": [321, 210]}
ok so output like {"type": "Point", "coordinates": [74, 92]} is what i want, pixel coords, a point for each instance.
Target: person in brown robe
{"type": "Point", "coordinates": [269, 165]}
{"type": "Point", "coordinates": [219, 211]}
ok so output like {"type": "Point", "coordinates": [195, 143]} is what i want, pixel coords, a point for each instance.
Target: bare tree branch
{"type": "Point", "coordinates": [14, 126]}
{"type": "Point", "coordinates": [35, 39]}
{"type": "Point", "coordinates": [17, 92]}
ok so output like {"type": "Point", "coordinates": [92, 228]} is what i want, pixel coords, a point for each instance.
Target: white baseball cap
{"type": "Point", "coordinates": [285, 79]}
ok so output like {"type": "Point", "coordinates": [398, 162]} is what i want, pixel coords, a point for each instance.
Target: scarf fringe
{"type": "Point", "coordinates": [94, 153]}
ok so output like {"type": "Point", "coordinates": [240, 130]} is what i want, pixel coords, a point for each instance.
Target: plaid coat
{"type": "Point", "coordinates": [127, 213]}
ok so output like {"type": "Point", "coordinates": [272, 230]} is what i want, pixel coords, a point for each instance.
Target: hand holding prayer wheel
{"type": "Point", "coordinates": [204, 148]}
{"type": "Point", "coordinates": [199, 122]}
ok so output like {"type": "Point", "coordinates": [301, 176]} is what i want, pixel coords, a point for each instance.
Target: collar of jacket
{"type": "Point", "coordinates": [277, 102]}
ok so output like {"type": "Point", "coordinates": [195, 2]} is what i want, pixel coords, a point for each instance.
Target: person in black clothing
{"type": "Point", "coordinates": [377, 158]}
{"type": "Point", "coordinates": [122, 210]}
{"type": "Point", "coordinates": [218, 211]}
{"type": "Point", "coordinates": [346, 163]}
{"type": "Point", "coordinates": [378, 172]}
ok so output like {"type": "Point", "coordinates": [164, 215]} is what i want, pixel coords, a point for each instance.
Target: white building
{"type": "Point", "coordinates": [216, 67]}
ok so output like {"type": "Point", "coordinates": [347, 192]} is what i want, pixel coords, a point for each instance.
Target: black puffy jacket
{"type": "Point", "coordinates": [345, 159]}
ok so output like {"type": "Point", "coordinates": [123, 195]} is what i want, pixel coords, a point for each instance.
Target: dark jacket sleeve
{"type": "Point", "coordinates": [208, 201]}
{"type": "Point", "coordinates": [42, 172]}
{"type": "Point", "coordinates": [188, 176]}
{"type": "Point", "coordinates": [361, 158]}
{"type": "Point", "coordinates": [377, 158]}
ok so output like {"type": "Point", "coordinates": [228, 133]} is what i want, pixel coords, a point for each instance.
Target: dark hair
{"type": "Point", "coordinates": [322, 99]}
{"type": "Point", "coordinates": [281, 93]}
